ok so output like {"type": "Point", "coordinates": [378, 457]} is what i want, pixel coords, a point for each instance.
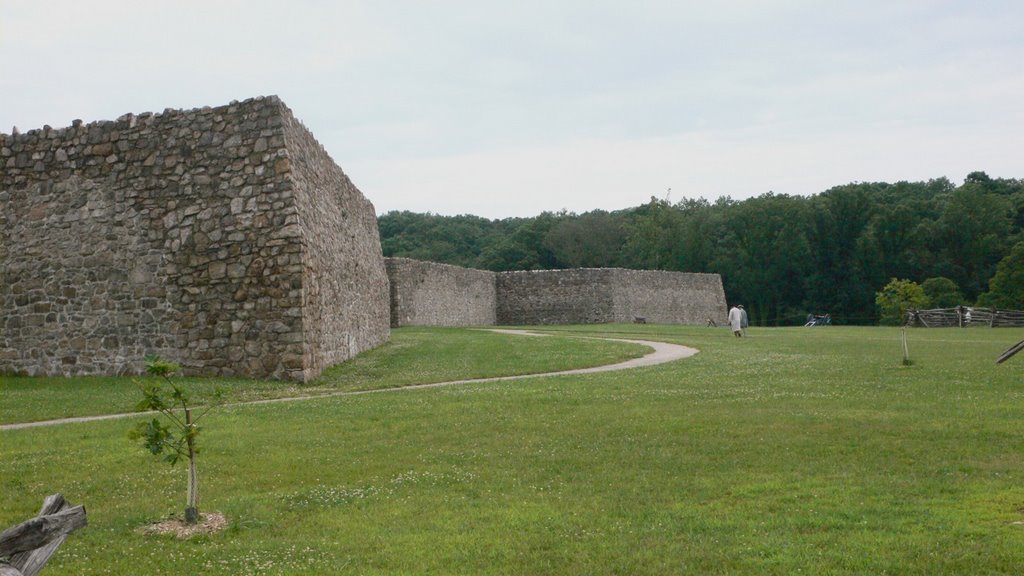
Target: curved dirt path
{"type": "Point", "coordinates": [662, 352]}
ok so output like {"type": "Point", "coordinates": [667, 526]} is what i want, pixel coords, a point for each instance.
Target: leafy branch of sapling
{"type": "Point", "coordinates": [176, 441]}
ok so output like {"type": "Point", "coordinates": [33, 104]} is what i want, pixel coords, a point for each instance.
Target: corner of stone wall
{"type": "Point", "coordinates": [182, 237]}
{"type": "Point", "coordinates": [434, 294]}
{"type": "Point", "coordinates": [344, 283]}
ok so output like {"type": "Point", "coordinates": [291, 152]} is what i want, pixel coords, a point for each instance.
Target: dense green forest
{"type": "Point", "coordinates": [783, 256]}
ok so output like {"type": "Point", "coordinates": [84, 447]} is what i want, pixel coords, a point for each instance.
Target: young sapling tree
{"type": "Point", "coordinates": [174, 438]}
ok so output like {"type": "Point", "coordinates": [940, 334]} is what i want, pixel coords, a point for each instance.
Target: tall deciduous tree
{"type": "Point", "coordinates": [764, 256]}
{"type": "Point", "coordinates": [702, 227]}
{"type": "Point", "coordinates": [942, 293]}
{"type": "Point", "coordinates": [653, 236]}
{"type": "Point", "coordinates": [839, 283]}
{"type": "Point", "coordinates": [522, 246]}
{"type": "Point", "coordinates": [591, 240]}
{"type": "Point", "coordinates": [1006, 289]}
{"type": "Point", "coordinates": [971, 237]}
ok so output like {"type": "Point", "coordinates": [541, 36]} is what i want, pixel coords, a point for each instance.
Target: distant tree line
{"type": "Point", "coordinates": [782, 256]}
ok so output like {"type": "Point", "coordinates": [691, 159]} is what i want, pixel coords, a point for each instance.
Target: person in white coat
{"type": "Point", "coordinates": [736, 321]}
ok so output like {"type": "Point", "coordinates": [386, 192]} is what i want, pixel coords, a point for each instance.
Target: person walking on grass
{"type": "Point", "coordinates": [736, 320]}
{"type": "Point", "coordinates": [743, 319]}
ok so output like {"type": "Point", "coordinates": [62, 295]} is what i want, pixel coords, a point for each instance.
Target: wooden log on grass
{"type": "Point", "coordinates": [8, 570]}
{"type": "Point", "coordinates": [1010, 352]}
{"type": "Point", "coordinates": [30, 544]}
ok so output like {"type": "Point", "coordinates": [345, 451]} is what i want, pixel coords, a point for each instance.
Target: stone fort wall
{"type": "Point", "coordinates": [577, 296]}
{"type": "Point", "coordinates": [667, 297]}
{"type": "Point", "coordinates": [600, 295]}
{"type": "Point", "coordinates": [432, 294]}
{"type": "Point", "coordinates": [345, 305]}
{"type": "Point", "coordinates": [222, 238]}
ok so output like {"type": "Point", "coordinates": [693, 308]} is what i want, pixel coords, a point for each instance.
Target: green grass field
{"type": "Point", "coordinates": [413, 356]}
{"type": "Point", "coordinates": [803, 450]}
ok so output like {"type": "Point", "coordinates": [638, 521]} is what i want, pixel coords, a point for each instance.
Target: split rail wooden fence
{"type": "Point", "coordinates": [966, 317]}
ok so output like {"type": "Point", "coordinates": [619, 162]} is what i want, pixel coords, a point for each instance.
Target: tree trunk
{"type": "Point", "coordinates": [191, 508]}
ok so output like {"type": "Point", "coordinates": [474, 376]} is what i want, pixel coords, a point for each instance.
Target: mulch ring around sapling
{"type": "Point", "coordinates": [210, 523]}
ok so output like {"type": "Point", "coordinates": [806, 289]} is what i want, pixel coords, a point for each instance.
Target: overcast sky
{"type": "Point", "coordinates": [512, 108]}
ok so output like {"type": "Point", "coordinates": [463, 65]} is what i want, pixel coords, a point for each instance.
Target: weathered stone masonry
{"type": "Point", "coordinates": [667, 297]}
{"type": "Point", "coordinates": [599, 295]}
{"type": "Point", "coordinates": [223, 238]}
{"type": "Point", "coordinates": [432, 294]}
{"type": "Point", "coordinates": [426, 293]}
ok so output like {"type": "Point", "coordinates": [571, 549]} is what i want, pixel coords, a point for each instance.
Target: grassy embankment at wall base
{"type": "Point", "coordinates": [412, 356]}
{"type": "Point", "coordinates": [790, 451]}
